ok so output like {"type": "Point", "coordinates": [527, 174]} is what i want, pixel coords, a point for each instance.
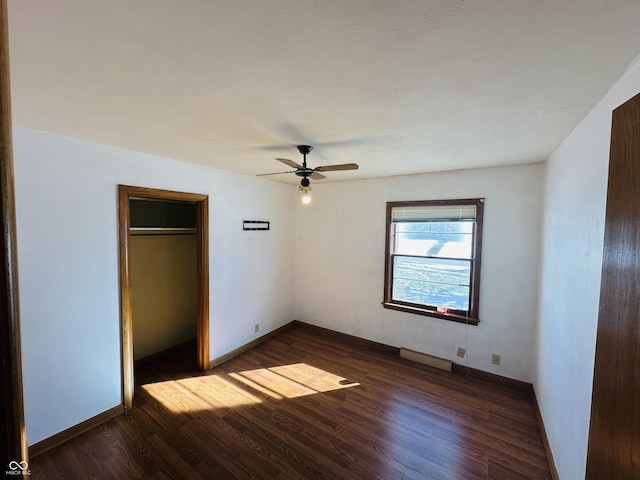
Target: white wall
{"type": "Point", "coordinates": [68, 263]}
{"type": "Point", "coordinates": [340, 264]}
{"type": "Point", "coordinates": [571, 263]}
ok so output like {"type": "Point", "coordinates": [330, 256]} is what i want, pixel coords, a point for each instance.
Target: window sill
{"type": "Point", "coordinates": [430, 313]}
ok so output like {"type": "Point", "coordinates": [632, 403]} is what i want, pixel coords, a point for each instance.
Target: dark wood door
{"type": "Point", "coordinates": [614, 436]}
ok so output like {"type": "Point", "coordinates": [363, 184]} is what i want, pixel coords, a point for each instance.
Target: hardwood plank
{"type": "Point", "coordinates": [74, 431]}
{"type": "Point", "coordinates": [309, 404]}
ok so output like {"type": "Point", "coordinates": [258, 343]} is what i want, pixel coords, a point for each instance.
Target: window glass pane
{"type": "Point", "coordinates": [431, 281]}
{"type": "Point", "coordinates": [434, 239]}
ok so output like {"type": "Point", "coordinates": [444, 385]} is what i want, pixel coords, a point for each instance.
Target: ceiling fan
{"type": "Point", "coordinates": [307, 172]}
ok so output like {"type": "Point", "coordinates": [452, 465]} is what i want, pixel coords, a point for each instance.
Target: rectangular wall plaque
{"type": "Point", "coordinates": [255, 225]}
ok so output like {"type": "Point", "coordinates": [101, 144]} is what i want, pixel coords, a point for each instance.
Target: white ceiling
{"type": "Point", "coordinates": [400, 87]}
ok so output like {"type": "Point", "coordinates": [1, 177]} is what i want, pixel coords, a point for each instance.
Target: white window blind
{"type": "Point", "coordinates": [436, 213]}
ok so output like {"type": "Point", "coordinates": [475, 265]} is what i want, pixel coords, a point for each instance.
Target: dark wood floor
{"type": "Point", "coordinates": [308, 405]}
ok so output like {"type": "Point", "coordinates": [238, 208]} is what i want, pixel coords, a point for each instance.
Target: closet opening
{"type": "Point", "coordinates": [164, 281]}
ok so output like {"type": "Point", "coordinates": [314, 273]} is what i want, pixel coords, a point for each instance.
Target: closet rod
{"type": "Point", "coordinates": [147, 231]}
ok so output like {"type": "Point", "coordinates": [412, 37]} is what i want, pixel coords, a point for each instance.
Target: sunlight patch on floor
{"type": "Point", "coordinates": [256, 386]}
{"type": "Point", "coordinates": [200, 393]}
{"type": "Point", "coordinates": [249, 387]}
{"type": "Point", "coordinates": [296, 380]}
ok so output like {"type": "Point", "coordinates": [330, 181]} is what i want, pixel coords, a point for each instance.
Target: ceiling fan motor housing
{"type": "Point", "coordinates": [305, 172]}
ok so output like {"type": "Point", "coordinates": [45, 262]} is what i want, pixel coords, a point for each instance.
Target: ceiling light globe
{"type": "Point", "coordinates": [305, 194]}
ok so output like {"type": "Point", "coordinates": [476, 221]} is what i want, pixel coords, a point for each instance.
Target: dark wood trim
{"type": "Point", "coordinates": [126, 312]}
{"type": "Point", "coordinates": [388, 268]}
{"type": "Point", "coordinates": [492, 377]}
{"type": "Point", "coordinates": [202, 244]}
{"type": "Point", "coordinates": [474, 310]}
{"type": "Point", "coordinates": [72, 432]}
{"type": "Point", "coordinates": [545, 439]}
{"type": "Point", "coordinates": [614, 429]}
{"type": "Point", "coordinates": [430, 203]}
{"type": "Point", "coordinates": [13, 437]}
{"type": "Point", "coordinates": [476, 262]}
{"type": "Point", "coordinates": [157, 194]}
{"type": "Point", "coordinates": [352, 340]}
{"type": "Point", "coordinates": [248, 346]}
{"type": "Point", "coordinates": [429, 313]}
{"type": "Point", "coordinates": [125, 193]}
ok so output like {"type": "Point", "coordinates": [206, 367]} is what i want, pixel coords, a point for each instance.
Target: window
{"type": "Point", "coordinates": [433, 251]}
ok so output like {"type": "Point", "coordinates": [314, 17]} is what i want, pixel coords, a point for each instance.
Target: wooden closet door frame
{"type": "Point", "coordinates": [125, 194]}
{"type": "Point", "coordinates": [13, 436]}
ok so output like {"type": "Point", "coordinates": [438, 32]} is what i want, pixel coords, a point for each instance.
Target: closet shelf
{"type": "Point", "coordinates": [143, 231]}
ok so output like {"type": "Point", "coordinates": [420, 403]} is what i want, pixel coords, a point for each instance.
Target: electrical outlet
{"type": "Point", "coordinates": [495, 359]}
{"type": "Point", "coordinates": [256, 328]}
{"type": "Point", "coordinates": [461, 352]}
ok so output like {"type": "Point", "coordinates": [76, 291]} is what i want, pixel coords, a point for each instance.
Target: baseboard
{"type": "Point", "coordinates": [66, 435]}
{"type": "Point", "coordinates": [492, 377]}
{"type": "Point", "coordinates": [247, 346]}
{"type": "Point", "coordinates": [352, 340]}
{"type": "Point", "coordinates": [545, 439]}
{"type": "Point", "coordinates": [455, 368]}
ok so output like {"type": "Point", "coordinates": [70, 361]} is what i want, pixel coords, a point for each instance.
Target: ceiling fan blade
{"type": "Point", "coordinates": [276, 173]}
{"type": "Point", "coordinates": [291, 163]}
{"type": "Point", "coordinates": [317, 176]}
{"type": "Point", "coordinates": [343, 166]}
